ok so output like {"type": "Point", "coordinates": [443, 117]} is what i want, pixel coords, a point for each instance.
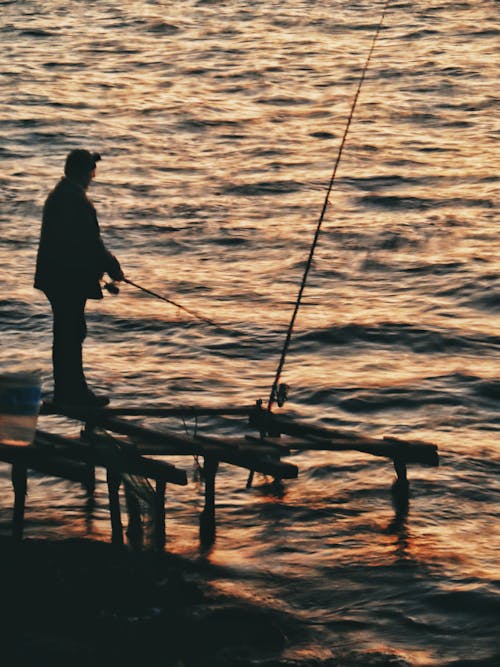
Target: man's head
{"type": "Point", "coordinates": [80, 166]}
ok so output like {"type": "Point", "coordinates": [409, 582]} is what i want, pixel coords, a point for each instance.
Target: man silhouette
{"type": "Point", "coordinates": [71, 261]}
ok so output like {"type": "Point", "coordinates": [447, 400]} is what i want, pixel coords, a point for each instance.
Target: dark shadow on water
{"type": "Point", "coordinates": [88, 603]}
{"type": "Point", "coordinates": [275, 490]}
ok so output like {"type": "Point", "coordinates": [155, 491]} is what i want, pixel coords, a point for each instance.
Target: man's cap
{"type": "Point", "coordinates": [80, 161]}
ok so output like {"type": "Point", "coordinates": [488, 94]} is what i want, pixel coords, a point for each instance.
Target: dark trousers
{"type": "Point", "coordinates": [69, 332]}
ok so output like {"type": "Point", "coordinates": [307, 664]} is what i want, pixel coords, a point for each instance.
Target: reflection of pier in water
{"type": "Point", "coordinates": [123, 448]}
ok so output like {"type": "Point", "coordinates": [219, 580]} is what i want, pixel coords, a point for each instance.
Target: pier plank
{"type": "Point", "coordinates": [33, 459]}
{"type": "Point", "coordinates": [125, 461]}
{"type": "Point", "coordinates": [169, 442]}
{"type": "Point", "coordinates": [320, 438]}
{"type": "Point", "coordinates": [48, 408]}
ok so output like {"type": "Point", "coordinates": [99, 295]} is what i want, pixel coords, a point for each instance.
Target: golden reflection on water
{"type": "Point", "coordinates": [219, 131]}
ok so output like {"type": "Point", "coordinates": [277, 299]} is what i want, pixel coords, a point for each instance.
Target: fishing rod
{"type": "Point", "coordinates": [278, 391]}
{"type": "Point", "coordinates": [113, 288]}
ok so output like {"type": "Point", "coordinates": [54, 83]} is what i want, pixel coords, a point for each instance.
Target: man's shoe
{"type": "Point", "coordinates": [85, 399]}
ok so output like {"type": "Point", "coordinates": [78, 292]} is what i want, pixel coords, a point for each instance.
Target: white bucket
{"type": "Point", "coordinates": [20, 396]}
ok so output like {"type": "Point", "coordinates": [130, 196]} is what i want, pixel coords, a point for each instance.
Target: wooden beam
{"type": "Point", "coordinates": [216, 447]}
{"type": "Point", "coordinates": [207, 517]}
{"type": "Point", "coordinates": [37, 459]}
{"type": "Point", "coordinates": [319, 438]}
{"type": "Point", "coordinates": [247, 444]}
{"type": "Point", "coordinates": [83, 413]}
{"type": "Point", "coordinates": [251, 461]}
{"type": "Point", "coordinates": [113, 479]}
{"type": "Point", "coordinates": [125, 461]}
{"type": "Point", "coordinates": [181, 411]}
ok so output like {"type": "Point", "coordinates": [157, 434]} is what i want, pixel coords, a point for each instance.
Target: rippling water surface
{"type": "Point", "coordinates": [219, 123]}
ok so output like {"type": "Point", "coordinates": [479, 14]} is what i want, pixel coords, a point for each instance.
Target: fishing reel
{"type": "Point", "coordinates": [111, 287]}
{"type": "Point", "coordinates": [282, 394]}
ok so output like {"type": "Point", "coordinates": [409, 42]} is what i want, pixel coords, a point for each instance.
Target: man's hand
{"type": "Point", "coordinates": [115, 270]}
{"type": "Point", "coordinates": [119, 276]}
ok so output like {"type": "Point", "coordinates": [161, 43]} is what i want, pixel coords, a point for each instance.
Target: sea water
{"type": "Point", "coordinates": [219, 122]}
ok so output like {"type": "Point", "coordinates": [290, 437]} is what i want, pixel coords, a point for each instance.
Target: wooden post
{"type": "Point", "coordinates": [89, 512]}
{"type": "Point", "coordinates": [159, 514]}
{"type": "Point", "coordinates": [134, 528]}
{"type": "Point", "coordinates": [89, 483]}
{"type": "Point", "coordinates": [207, 518]}
{"type": "Point", "coordinates": [114, 480]}
{"type": "Point", "coordinates": [19, 481]}
{"type": "Point", "coordinates": [88, 429]}
{"type": "Point", "coordinates": [86, 434]}
{"type": "Point", "coordinates": [401, 486]}
{"type": "Point", "coordinates": [400, 468]}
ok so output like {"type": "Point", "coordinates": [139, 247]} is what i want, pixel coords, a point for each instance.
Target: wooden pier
{"type": "Point", "coordinates": [124, 449]}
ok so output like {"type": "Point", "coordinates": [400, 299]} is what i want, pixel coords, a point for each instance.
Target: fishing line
{"type": "Point", "coordinates": [193, 313]}
{"type": "Point", "coordinates": [275, 388]}
{"type": "Point", "coordinates": [112, 288]}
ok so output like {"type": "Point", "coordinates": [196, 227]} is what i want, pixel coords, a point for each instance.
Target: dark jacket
{"type": "Point", "coordinates": [71, 256]}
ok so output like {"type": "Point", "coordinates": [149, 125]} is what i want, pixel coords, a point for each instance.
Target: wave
{"type": "Point", "coordinates": [393, 202]}
{"type": "Point", "coordinates": [487, 32]}
{"type": "Point", "coordinates": [198, 124]}
{"type": "Point", "coordinates": [438, 269]}
{"type": "Point", "coordinates": [419, 340]}
{"type": "Point", "coordinates": [482, 293]}
{"type": "Point", "coordinates": [421, 34]}
{"type": "Point", "coordinates": [375, 182]}
{"type": "Point", "coordinates": [472, 395]}
{"type": "Point", "coordinates": [37, 32]}
{"type": "Point", "coordinates": [400, 398]}
{"type": "Point", "coordinates": [490, 301]}
{"type": "Point", "coordinates": [489, 389]}
{"type": "Point", "coordinates": [20, 315]}
{"type": "Point", "coordinates": [283, 101]}
{"type": "Point", "coordinates": [263, 188]}
{"type": "Point", "coordinates": [162, 28]}
{"type": "Point", "coordinates": [479, 601]}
